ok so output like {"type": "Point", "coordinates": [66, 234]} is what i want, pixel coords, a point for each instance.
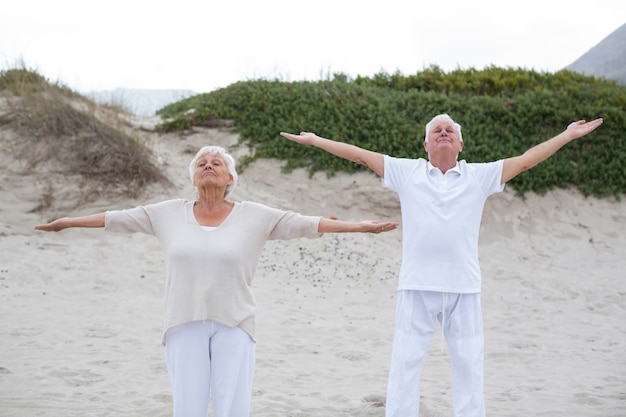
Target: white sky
{"type": "Point", "coordinates": [202, 45]}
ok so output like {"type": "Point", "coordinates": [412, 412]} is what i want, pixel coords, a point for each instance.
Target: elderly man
{"type": "Point", "coordinates": [442, 201]}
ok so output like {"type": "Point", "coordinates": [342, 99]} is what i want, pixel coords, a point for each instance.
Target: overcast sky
{"type": "Point", "coordinates": [202, 45]}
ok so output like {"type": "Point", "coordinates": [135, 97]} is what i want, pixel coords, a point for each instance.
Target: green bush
{"type": "Point", "coordinates": [503, 113]}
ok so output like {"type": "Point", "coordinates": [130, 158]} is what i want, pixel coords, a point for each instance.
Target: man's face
{"type": "Point", "coordinates": [443, 138]}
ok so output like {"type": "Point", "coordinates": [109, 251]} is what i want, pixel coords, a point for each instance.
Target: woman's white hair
{"type": "Point", "coordinates": [230, 164]}
{"type": "Point", "coordinates": [439, 117]}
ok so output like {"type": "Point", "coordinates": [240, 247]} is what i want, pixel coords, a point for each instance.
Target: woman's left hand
{"type": "Point", "coordinates": [375, 227]}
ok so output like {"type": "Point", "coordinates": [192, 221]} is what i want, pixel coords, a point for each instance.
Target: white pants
{"type": "Point", "coordinates": [460, 316]}
{"type": "Point", "coordinates": [207, 360]}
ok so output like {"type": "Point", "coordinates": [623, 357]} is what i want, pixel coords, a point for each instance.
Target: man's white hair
{"type": "Point", "coordinates": [230, 164]}
{"type": "Point", "coordinates": [439, 117]}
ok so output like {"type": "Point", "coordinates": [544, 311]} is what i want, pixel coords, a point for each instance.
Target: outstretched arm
{"type": "Point", "coordinates": [94, 220]}
{"type": "Point", "coordinates": [539, 153]}
{"type": "Point", "coordinates": [373, 160]}
{"type": "Point", "coordinates": [338, 226]}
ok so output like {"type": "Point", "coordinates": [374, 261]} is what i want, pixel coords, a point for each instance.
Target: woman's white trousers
{"type": "Point", "coordinates": [208, 361]}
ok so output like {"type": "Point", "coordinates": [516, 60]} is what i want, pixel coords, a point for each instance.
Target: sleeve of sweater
{"type": "Point", "coordinates": [129, 221]}
{"type": "Point", "coordinates": [292, 225]}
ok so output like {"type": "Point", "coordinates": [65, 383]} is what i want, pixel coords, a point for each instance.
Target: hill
{"type": "Point", "coordinates": [605, 60]}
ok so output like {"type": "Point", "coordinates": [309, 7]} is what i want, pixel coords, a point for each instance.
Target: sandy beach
{"type": "Point", "coordinates": [81, 310]}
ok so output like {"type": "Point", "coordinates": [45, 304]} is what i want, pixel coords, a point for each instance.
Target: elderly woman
{"type": "Point", "coordinates": [212, 246]}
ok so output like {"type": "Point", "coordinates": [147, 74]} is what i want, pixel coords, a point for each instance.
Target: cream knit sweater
{"type": "Point", "coordinates": [209, 273]}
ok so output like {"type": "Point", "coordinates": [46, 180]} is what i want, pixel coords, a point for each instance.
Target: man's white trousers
{"type": "Point", "coordinates": [460, 317]}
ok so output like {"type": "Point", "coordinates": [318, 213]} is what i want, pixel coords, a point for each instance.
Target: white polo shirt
{"type": "Point", "coordinates": [441, 217]}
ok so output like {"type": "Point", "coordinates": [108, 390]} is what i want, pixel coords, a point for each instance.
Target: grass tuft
{"type": "Point", "coordinates": [62, 132]}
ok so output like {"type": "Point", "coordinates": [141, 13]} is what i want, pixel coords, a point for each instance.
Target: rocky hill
{"type": "Point", "coordinates": [605, 60]}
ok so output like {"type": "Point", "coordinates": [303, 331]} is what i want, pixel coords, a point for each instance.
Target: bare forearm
{"type": "Point", "coordinates": [338, 226]}
{"type": "Point", "coordinates": [532, 157]}
{"type": "Point", "coordinates": [93, 220]}
{"type": "Point", "coordinates": [539, 153]}
{"type": "Point", "coordinates": [544, 150]}
{"type": "Point", "coordinates": [372, 160]}
{"type": "Point", "coordinates": [343, 150]}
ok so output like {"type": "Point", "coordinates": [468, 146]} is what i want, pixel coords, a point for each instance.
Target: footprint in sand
{"type": "Point", "coordinates": [354, 355]}
{"type": "Point", "coordinates": [101, 332]}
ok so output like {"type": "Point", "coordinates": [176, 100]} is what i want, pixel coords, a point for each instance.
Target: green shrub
{"type": "Point", "coordinates": [503, 113]}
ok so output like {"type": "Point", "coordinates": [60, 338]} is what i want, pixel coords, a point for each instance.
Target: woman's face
{"type": "Point", "coordinates": [212, 171]}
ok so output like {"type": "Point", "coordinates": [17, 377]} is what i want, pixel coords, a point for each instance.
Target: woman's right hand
{"type": "Point", "coordinates": [54, 226]}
